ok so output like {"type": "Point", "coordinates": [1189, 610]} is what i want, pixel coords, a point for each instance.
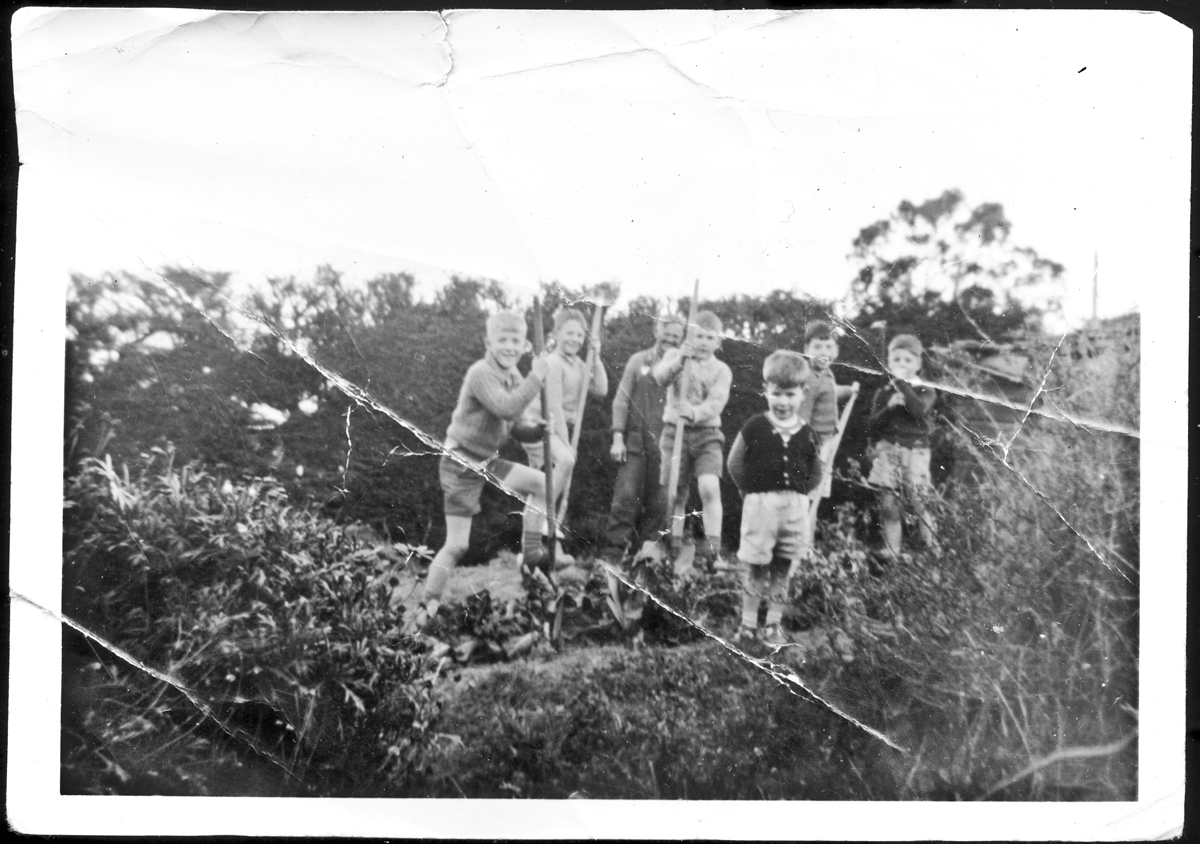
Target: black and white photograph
{"type": "Point", "coordinates": [736, 424]}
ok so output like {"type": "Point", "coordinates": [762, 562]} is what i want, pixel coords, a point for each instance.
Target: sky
{"type": "Point", "coordinates": [746, 149]}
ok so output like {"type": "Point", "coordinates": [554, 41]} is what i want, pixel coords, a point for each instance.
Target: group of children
{"type": "Point", "coordinates": [781, 459]}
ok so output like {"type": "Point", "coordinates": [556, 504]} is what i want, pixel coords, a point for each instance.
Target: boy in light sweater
{"type": "Point", "coordinates": [564, 392]}
{"type": "Point", "coordinates": [493, 396]}
{"type": "Point", "coordinates": [700, 411]}
{"type": "Point", "coordinates": [776, 465]}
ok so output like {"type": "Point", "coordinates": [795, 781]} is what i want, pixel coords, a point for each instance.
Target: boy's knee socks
{"type": "Point", "coordinates": [750, 604]}
{"type": "Point", "coordinates": [437, 577]}
{"type": "Point", "coordinates": [775, 612]}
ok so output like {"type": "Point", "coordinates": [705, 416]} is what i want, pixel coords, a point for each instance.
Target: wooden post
{"type": "Point", "coordinates": [539, 346]}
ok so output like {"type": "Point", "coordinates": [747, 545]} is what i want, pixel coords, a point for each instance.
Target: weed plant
{"type": "Point", "coordinates": [267, 627]}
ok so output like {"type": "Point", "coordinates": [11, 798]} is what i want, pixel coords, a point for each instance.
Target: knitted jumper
{"type": "Point", "coordinates": [760, 461]}
{"type": "Point", "coordinates": [490, 400]}
{"type": "Point", "coordinates": [564, 389]}
{"type": "Point", "coordinates": [908, 424]}
{"type": "Point", "coordinates": [819, 405]}
{"type": "Point", "coordinates": [708, 388]}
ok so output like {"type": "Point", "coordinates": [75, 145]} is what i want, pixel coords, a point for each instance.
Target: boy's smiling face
{"type": "Point", "coordinates": [570, 337]}
{"type": "Point", "coordinates": [903, 364]}
{"type": "Point", "coordinates": [822, 351]}
{"type": "Point", "coordinates": [705, 342]}
{"type": "Point", "coordinates": [783, 402]}
{"type": "Point", "coordinates": [506, 345]}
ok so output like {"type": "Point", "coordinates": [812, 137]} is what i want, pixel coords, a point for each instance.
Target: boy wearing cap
{"type": "Point", "coordinates": [700, 411]}
{"type": "Point", "coordinates": [493, 396]}
{"type": "Point", "coordinates": [901, 421]}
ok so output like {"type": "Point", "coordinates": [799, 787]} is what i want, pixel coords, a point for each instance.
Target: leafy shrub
{"type": "Point", "coordinates": [243, 601]}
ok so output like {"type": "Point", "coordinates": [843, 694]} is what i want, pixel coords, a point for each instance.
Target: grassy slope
{"type": "Point", "coordinates": [689, 722]}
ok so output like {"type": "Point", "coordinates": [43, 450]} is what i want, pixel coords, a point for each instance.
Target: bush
{"type": "Point", "coordinates": [269, 623]}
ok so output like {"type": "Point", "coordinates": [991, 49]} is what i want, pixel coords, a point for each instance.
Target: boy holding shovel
{"type": "Point", "coordinates": [693, 412]}
{"type": "Point", "coordinates": [568, 381]}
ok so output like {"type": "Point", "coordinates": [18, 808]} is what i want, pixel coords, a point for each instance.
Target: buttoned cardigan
{"type": "Point", "coordinates": [760, 461]}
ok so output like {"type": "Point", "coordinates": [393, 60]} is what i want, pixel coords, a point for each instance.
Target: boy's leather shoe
{"type": "Point", "coordinates": [746, 637]}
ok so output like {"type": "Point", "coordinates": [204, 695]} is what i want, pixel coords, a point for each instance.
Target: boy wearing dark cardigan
{"type": "Point", "coordinates": [776, 463]}
{"type": "Point", "coordinates": [901, 421]}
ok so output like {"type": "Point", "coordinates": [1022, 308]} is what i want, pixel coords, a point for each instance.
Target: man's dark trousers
{"type": "Point", "coordinates": [637, 492]}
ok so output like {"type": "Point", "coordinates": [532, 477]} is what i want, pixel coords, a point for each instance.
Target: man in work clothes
{"type": "Point", "coordinates": [637, 421]}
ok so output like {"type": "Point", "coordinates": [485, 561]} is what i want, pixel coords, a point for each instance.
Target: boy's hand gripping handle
{"type": "Point", "coordinates": [593, 339]}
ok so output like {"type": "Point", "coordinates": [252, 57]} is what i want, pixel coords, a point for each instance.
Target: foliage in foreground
{"type": "Point", "coordinates": [271, 626]}
{"type": "Point", "coordinates": [1006, 664]}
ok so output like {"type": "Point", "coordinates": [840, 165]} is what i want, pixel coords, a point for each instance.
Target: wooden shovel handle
{"type": "Point", "coordinates": [677, 451]}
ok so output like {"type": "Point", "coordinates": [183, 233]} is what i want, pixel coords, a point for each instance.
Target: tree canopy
{"type": "Point", "coordinates": [947, 271]}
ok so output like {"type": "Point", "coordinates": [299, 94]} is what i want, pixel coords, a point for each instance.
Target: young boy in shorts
{"type": "Point", "coordinates": [492, 397]}
{"type": "Point", "coordinates": [776, 463]}
{"type": "Point", "coordinates": [819, 408]}
{"type": "Point", "coordinates": [901, 421]}
{"type": "Point", "coordinates": [700, 410]}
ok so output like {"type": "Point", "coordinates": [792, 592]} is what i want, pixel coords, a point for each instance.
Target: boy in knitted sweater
{"type": "Point", "coordinates": [901, 421]}
{"type": "Point", "coordinates": [492, 398]}
{"type": "Point", "coordinates": [700, 411]}
{"type": "Point", "coordinates": [776, 463]}
{"type": "Point", "coordinates": [821, 396]}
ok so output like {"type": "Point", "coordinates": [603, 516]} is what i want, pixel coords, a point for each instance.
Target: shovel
{"type": "Point", "coordinates": [552, 623]}
{"type": "Point", "coordinates": [685, 553]}
{"type": "Point", "coordinates": [815, 504]}
{"type": "Point", "coordinates": [603, 296]}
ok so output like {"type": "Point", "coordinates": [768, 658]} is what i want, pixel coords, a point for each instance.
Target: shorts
{"type": "Point", "coordinates": [462, 485]}
{"type": "Point", "coordinates": [896, 467]}
{"type": "Point", "coordinates": [701, 454]}
{"type": "Point", "coordinates": [774, 524]}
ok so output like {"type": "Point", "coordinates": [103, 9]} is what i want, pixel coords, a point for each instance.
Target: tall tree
{"type": "Point", "coordinates": [949, 271]}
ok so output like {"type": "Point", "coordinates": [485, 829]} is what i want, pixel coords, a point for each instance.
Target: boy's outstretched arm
{"type": "Point", "coordinates": [736, 463]}
{"type": "Point", "coordinates": [488, 387]}
{"type": "Point", "coordinates": [668, 369]}
{"type": "Point", "coordinates": [599, 384]}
